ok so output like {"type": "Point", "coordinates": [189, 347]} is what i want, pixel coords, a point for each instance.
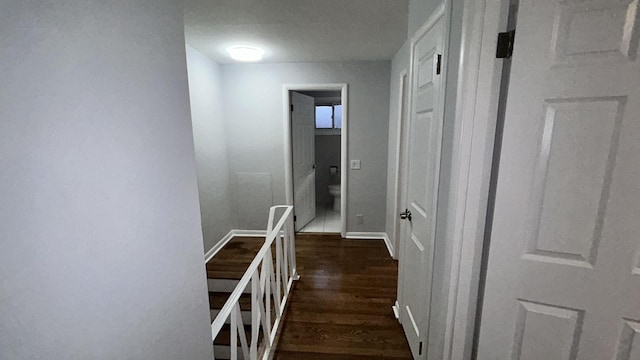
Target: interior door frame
{"type": "Point", "coordinates": [478, 96]}
{"type": "Point", "coordinates": [400, 157]}
{"type": "Point", "coordinates": [441, 13]}
{"type": "Point", "coordinates": [344, 141]}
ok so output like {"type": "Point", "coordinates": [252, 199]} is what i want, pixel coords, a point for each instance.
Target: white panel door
{"type": "Point", "coordinates": [425, 138]}
{"type": "Point", "coordinates": [563, 276]}
{"type": "Point", "coordinates": [303, 145]}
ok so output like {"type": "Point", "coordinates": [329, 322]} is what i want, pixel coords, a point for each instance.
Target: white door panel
{"type": "Point", "coordinates": [303, 145]}
{"type": "Point", "coordinates": [563, 280]}
{"type": "Point", "coordinates": [425, 136]}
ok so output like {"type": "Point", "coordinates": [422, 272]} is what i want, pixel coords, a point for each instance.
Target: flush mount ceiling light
{"type": "Point", "coordinates": [245, 53]}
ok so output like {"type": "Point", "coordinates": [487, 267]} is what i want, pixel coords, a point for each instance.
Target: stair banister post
{"type": "Point", "coordinates": [267, 290]}
{"type": "Point", "coordinates": [233, 336]}
{"type": "Point", "coordinates": [278, 269]}
{"type": "Point", "coordinates": [255, 314]}
{"type": "Point", "coordinates": [286, 263]}
{"type": "Point", "coordinates": [292, 250]}
{"type": "Point", "coordinates": [272, 215]}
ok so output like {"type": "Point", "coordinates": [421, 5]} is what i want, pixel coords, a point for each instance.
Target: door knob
{"type": "Point", "coordinates": [405, 215]}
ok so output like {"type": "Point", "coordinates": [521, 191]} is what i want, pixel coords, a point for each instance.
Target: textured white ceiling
{"type": "Point", "coordinates": [298, 30]}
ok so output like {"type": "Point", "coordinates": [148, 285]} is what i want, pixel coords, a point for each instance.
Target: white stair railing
{"type": "Point", "coordinates": [268, 283]}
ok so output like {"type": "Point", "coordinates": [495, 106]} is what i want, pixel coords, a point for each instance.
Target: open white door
{"type": "Point", "coordinates": [563, 276]}
{"type": "Point", "coordinates": [418, 232]}
{"type": "Point", "coordinates": [303, 145]}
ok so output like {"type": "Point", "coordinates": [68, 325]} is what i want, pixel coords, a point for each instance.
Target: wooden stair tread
{"type": "Point", "coordinates": [218, 299]}
{"type": "Point", "coordinates": [232, 261]}
{"type": "Point", "coordinates": [229, 274]}
{"type": "Point", "coordinates": [224, 336]}
{"type": "Point", "coordinates": [234, 258]}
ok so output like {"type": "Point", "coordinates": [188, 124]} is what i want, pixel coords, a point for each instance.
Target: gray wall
{"type": "Point", "coordinates": [419, 12]}
{"type": "Point", "coordinates": [209, 134]}
{"type": "Point", "coordinates": [327, 155]}
{"type": "Point", "coordinates": [254, 112]}
{"type": "Point", "coordinates": [100, 240]}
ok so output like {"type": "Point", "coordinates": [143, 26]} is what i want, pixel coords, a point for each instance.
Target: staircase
{"type": "Point", "coordinates": [249, 281]}
{"type": "Point", "coordinates": [224, 272]}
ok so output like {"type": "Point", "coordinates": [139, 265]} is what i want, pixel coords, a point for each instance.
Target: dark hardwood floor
{"type": "Point", "coordinates": [341, 306]}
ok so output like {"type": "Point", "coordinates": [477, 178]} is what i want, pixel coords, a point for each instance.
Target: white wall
{"type": "Point", "coordinates": [100, 240]}
{"type": "Point", "coordinates": [209, 134]}
{"type": "Point", "coordinates": [254, 111]}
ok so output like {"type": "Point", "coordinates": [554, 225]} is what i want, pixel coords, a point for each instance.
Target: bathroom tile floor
{"type": "Point", "coordinates": [326, 221]}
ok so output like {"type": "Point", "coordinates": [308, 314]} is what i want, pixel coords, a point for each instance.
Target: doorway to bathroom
{"type": "Point", "coordinates": [316, 156]}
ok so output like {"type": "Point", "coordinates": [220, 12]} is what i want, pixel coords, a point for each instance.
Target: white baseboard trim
{"type": "Point", "coordinates": [218, 246]}
{"type": "Point", "coordinates": [396, 310]}
{"type": "Point", "coordinates": [249, 233]}
{"type": "Point", "coordinates": [366, 235]}
{"type": "Point", "coordinates": [387, 242]}
{"type": "Point", "coordinates": [372, 236]}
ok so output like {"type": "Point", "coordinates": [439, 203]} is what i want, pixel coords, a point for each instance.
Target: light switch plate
{"type": "Point", "coordinates": [355, 164]}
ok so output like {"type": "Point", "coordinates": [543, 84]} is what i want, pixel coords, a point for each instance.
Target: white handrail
{"type": "Point", "coordinates": [265, 283]}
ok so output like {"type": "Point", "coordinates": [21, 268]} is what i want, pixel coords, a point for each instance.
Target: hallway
{"type": "Point", "coordinates": [341, 306]}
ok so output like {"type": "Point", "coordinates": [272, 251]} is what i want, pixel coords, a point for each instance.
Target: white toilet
{"type": "Point", "coordinates": [334, 190]}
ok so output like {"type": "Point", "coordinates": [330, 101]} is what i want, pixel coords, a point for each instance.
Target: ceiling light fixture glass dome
{"type": "Point", "coordinates": [245, 53]}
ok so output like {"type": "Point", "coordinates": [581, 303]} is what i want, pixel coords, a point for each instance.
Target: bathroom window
{"type": "Point", "coordinates": [329, 117]}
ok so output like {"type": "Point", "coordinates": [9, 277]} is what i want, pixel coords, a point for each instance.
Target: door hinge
{"type": "Point", "coordinates": [291, 107]}
{"type": "Point", "coordinates": [294, 218]}
{"type": "Point", "coordinates": [505, 44]}
{"type": "Point", "coordinates": [439, 64]}
{"type": "Point", "coordinates": [420, 349]}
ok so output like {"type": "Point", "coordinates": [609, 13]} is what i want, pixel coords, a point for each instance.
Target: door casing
{"type": "Point", "coordinates": [476, 113]}
{"type": "Point", "coordinates": [400, 158]}
{"type": "Point", "coordinates": [344, 141]}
